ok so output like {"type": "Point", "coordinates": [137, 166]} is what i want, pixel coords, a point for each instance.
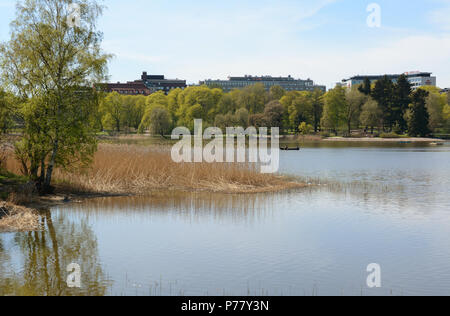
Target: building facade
{"type": "Point", "coordinates": [147, 85]}
{"type": "Point", "coordinates": [287, 83]}
{"type": "Point", "coordinates": [130, 88]}
{"type": "Point", "coordinates": [417, 79]}
{"type": "Point", "coordinates": [157, 83]}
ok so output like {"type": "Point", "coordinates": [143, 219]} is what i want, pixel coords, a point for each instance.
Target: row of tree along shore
{"type": "Point", "coordinates": [385, 108]}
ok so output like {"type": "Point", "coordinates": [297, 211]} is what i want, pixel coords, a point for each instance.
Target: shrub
{"type": "Point", "coordinates": [325, 134]}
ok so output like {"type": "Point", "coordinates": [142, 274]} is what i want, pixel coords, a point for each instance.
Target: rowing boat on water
{"type": "Point", "coordinates": [290, 148]}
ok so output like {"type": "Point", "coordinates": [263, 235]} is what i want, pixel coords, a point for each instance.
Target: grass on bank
{"type": "Point", "coordinates": [17, 218]}
{"type": "Point", "coordinates": [131, 169]}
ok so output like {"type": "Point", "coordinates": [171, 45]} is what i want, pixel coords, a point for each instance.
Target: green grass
{"type": "Point", "coordinates": [6, 176]}
{"type": "Point", "coordinates": [389, 135]}
{"type": "Point", "coordinates": [9, 182]}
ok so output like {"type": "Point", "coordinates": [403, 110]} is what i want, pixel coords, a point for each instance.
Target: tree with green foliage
{"type": "Point", "coordinates": [276, 93]}
{"type": "Point", "coordinates": [55, 64]}
{"type": "Point", "coordinates": [160, 121]}
{"type": "Point", "coordinates": [134, 110]}
{"type": "Point", "coordinates": [435, 106]}
{"type": "Point", "coordinates": [305, 129]}
{"type": "Point", "coordinates": [173, 103]}
{"type": "Point", "coordinates": [298, 108]}
{"type": "Point", "coordinates": [419, 117]}
{"type": "Point", "coordinates": [156, 100]}
{"type": "Point", "coordinates": [8, 110]}
{"type": "Point", "coordinates": [253, 98]}
{"type": "Point", "coordinates": [228, 103]}
{"type": "Point", "coordinates": [366, 87]}
{"type": "Point", "coordinates": [383, 94]}
{"type": "Point", "coordinates": [242, 117]}
{"type": "Point", "coordinates": [113, 112]}
{"type": "Point", "coordinates": [353, 105]}
{"type": "Point", "coordinates": [317, 108]}
{"type": "Point", "coordinates": [198, 103]}
{"type": "Point", "coordinates": [333, 113]}
{"type": "Point", "coordinates": [258, 120]}
{"type": "Point", "coordinates": [221, 122]}
{"type": "Point", "coordinates": [446, 115]}
{"type": "Point", "coordinates": [400, 103]}
{"type": "Point", "coordinates": [274, 113]}
{"type": "Point", "coordinates": [371, 115]}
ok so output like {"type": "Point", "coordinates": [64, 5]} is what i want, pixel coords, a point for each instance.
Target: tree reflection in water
{"type": "Point", "coordinates": [45, 256]}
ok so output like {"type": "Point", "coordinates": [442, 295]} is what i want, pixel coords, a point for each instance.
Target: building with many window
{"type": "Point", "coordinates": [159, 83]}
{"type": "Point", "coordinates": [129, 88]}
{"type": "Point", "coordinates": [147, 85]}
{"type": "Point", "coordinates": [417, 79]}
{"type": "Point", "coordinates": [287, 83]}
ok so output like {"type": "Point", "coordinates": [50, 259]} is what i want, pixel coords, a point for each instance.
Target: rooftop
{"type": "Point", "coordinates": [391, 76]}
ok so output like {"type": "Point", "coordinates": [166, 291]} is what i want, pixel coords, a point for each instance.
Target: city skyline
{"type": "Point", "coordinates": [326, 40]}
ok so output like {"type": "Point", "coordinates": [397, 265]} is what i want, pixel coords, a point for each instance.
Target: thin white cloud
{"type": "Point", "coordinates": [441, 16]}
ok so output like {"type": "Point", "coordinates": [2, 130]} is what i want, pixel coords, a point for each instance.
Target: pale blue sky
{"type": "Point", "coordinates": [326, 40]}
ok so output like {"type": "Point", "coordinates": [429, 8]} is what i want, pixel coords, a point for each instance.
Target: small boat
{"type": "Point", "coordinates": [290, 148]}
{"type": "Point", "coordinates": [437, 144]}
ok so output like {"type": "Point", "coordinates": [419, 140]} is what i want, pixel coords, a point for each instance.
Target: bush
{"type": "Point", "coordinates": [325, 134]}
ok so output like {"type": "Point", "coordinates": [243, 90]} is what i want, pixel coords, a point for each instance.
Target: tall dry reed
{"type": "Point", "coordinates": [17, 218]}
{"type": "Point", "coordinates": [131, 169]}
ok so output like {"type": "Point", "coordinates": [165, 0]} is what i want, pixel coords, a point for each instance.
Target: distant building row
{"type": "Point", "coordinates": [417, 79]}
{"type": "Point", "coordinates": [149, 84]}
{"type": "Point", "coordinates": [287, 83]}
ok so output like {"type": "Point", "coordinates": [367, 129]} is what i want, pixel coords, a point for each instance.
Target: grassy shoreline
{"type": "Point", "coordinates": [385, 140]}
{"type": "Point", "coordinates": [137, 139]}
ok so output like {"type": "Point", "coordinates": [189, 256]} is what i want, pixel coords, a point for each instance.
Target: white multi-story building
{"type": "Point", "coordinates": [416, 78]}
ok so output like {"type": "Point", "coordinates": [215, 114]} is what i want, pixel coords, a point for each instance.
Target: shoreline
{"type": "Point", "coordinates": [24, 217]}
{"type": "Point", "coordinates": [385, 140]}
{"type": "Point", "coordinates": [289, 138]}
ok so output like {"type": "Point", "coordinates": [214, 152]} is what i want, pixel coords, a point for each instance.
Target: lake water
{"type": "Point", "coordinates": [375, 204]}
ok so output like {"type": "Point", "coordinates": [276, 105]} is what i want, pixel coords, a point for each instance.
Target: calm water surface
{"type": "Point", "coordinates": [375, 204]}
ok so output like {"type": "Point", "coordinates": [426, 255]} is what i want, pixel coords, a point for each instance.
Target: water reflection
{"type": "Point", "coordinates": [44, 255]}
{"type": "Point", "coordinates": [230, 208]}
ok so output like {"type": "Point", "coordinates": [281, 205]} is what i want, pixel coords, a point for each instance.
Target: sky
{"type": "Point", "coordinates": [325, 40]}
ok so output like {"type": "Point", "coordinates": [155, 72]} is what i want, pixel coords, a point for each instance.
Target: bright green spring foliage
{"type": "Point", "coordinates": [54, 64]}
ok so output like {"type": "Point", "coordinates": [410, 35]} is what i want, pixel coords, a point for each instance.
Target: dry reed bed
{"type": "Point", "coordinates": [17, 218]}
{"type": "Point", "coordinates": [132, 169]}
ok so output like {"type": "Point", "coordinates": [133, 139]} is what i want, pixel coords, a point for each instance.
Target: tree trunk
{"type": "Point", "coordinates": [48, 179]}
{"type": "Point", "coordinates": [42, 177]}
